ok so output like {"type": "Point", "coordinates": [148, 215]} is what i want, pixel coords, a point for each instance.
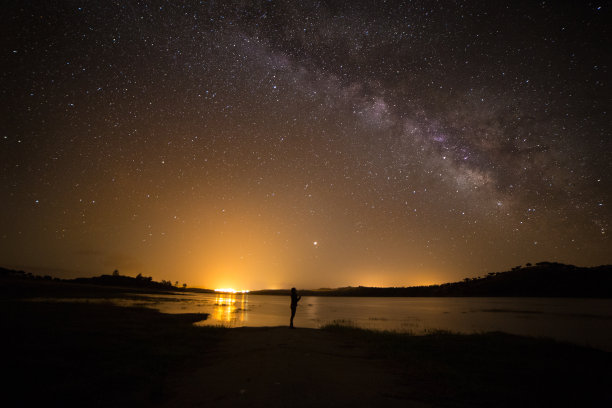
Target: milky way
{"type": "Point", "coordinates": [270, 144]}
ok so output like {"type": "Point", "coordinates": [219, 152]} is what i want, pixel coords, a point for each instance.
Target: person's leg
{"type": "Point", "coordinates": [292, 316]}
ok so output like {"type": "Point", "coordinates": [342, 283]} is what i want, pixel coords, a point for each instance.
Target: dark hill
{"type": "Point", "coordinates": [117, 280]}
{"type": "Point", "coordinates": [126, 282]}
{"type": "Point", "coordinates": [545, 279]}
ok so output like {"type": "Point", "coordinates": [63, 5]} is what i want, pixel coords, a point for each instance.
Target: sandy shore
{"type": "Point", "coordinates": [280, 367]}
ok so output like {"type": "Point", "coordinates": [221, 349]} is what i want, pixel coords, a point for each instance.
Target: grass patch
{"type": "Point", "coordinates": [339, 325]}
{"type": "Point", "coordinates": [489, 369]}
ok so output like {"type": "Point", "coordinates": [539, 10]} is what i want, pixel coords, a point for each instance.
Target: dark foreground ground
{"type": "Point", "coordinates": [90, 354]}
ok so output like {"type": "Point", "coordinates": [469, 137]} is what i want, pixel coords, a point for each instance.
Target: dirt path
{"type": "Point", "coordinates": [279, 367]}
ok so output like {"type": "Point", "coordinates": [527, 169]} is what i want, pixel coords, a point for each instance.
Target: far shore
{"type": "Point", "coordinates": [97, 354]}
{"type": "Point", "coordinates": [544, 279]}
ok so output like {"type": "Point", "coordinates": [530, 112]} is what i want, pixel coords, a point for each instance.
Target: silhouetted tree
{"type": "Point", "coordinates": [115, 272]}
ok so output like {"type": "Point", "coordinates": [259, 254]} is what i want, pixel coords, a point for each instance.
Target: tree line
{"type": "Point", "coordinates": [544, 279]}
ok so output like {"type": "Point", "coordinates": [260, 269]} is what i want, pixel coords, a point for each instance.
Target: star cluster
{"type": "Point", "coordinates": [275, 144]}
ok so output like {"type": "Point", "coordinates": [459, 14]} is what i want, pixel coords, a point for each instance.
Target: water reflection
{"type": "Point", "coordinates": [230, 308]}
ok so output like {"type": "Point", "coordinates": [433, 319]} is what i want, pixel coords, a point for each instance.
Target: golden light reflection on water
{"type": "Point", "coordinates": [230, 308]}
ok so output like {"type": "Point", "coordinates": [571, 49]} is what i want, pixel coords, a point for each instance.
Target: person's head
{"type": "Point", "coordinates": [292, 290]}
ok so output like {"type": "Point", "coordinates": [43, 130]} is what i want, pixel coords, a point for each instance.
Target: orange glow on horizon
{"type": "Point", "coordinates": [231, 290]}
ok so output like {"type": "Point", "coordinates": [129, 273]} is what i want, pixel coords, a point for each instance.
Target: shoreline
{"type": "Point", "coordinates": [569, 320]}
{"type": "Point", "coordinates": [101, 354]}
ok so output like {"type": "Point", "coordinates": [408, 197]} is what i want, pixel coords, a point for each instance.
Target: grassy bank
{"type": "Point", "coordinates": [489, 369]}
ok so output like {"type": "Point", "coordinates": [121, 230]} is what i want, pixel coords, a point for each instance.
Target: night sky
{"type": "Point", "coordinates": [271, 144]}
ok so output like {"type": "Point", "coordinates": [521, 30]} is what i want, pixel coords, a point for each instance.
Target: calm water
{"type": "Point", "coordinates": [583, 321]}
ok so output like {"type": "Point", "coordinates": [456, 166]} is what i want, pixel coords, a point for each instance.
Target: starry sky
{"type": "Point", "coordinates": [270, 144]}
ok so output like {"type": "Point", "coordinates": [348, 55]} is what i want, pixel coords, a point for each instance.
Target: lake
{"type": "Point", "coordinates": [582, 321]}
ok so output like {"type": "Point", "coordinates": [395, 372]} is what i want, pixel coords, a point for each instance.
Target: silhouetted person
{"type": "Point", "coordinates": [294, 302]}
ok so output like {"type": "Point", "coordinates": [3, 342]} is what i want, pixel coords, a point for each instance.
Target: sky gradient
{"type": "Point", "coordinates": [311, 144]}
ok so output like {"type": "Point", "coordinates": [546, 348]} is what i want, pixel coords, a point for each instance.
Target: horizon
{"type": "Point", "coordinates": [305, 143]}
{"type": "Point", "coordinates": [243, 290]}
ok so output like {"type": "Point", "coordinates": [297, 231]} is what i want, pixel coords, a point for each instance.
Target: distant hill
{"type": "Point", "coordinates": [143, 282]}
{"type": "Point", "coordinates": [544, 279]}
{"type": "Point", "coordinates": [126, 282]}
{"type": "Point", "coordinates": [199, 290]}
{"type": "Point", "coordinates": [14, 274]}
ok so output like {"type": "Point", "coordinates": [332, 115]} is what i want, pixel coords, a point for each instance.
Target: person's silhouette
{"type": "Point", "coordinates": [294, 303]}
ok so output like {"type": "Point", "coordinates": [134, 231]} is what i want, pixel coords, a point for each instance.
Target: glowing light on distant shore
{"type": "Point", "coordinates": [230, 290]}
